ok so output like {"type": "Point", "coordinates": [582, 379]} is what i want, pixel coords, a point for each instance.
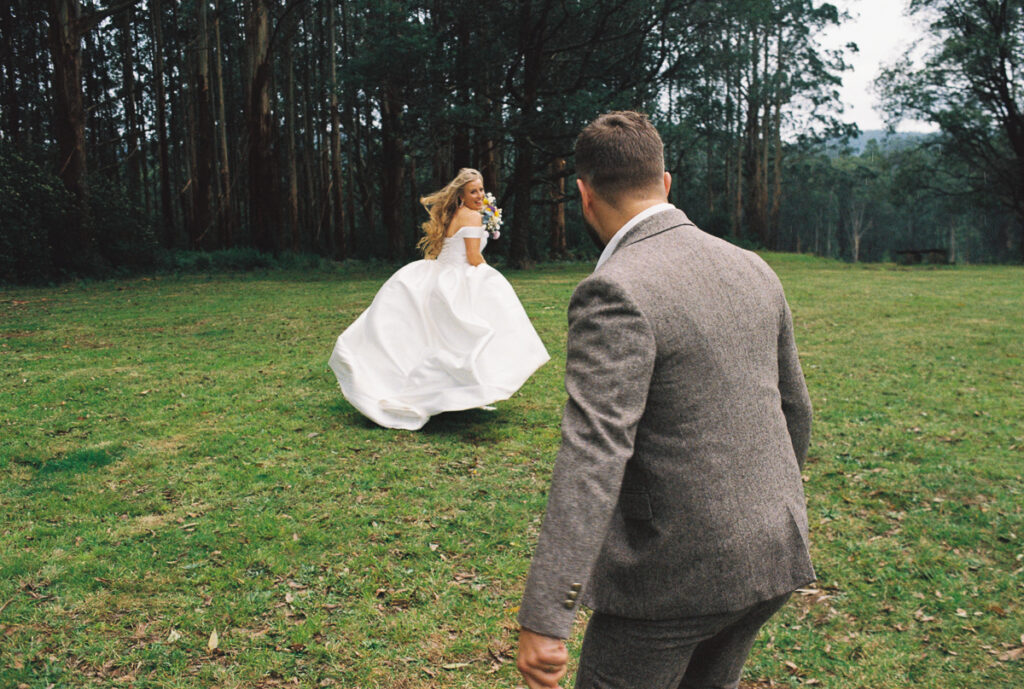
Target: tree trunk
{"type": "Point", "coordinates": [752, 171]}
{"type": "Point", "coordinates": [264, 202]}
{"type": "Point", "coordinates": [11, 104]}
{"type": "Point", "coordinates": [203, 152]}
{"type": "Point", "coordinates": [100, 133]}
{"type": "Point", "coordinates": [349, 124]}
{"type": "Point", "coordinates": [291, 164]}
{"type": "Point", "coordinates": [393, 169]}
{"type": "Point", "coordinates": [558, 245]}
{"type": "Point", "coordinates": [311, 208]}
{"type": "Point", "coordinates": [776, 129]}
{"type": "Point", "coordinates": [531, 45]}
{"type": "Point", "coordinates": [413, 205]}
{"type": "Point", "coordinates": [489, 165]}
{"type": "Point", "coordinates": [186, 106]}
{"type": "Point", "coordinates": [134, 154]}
{"type": "Point", "coordinates": [755, 205]}
{"type": "Point", "coordinates": [166, 209]}
{"type": "Point", "coordinates": [337, 183]}
{"type": "Point", "coordinates": [225, 212]}
{"type": "Point", "coordinates": [858, 226]}
{"type": "Point", "coordinates": [1020, 228]}
{"type": "Point", "coordinates": [72, 243]}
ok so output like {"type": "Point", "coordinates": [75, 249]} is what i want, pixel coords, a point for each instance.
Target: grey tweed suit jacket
{"type": "Point", "coordinates": [677, 489]}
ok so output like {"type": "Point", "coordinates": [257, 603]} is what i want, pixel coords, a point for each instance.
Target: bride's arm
{"type": "Point", "coordinates": [466, 217]}
{"type": "Point", "coordinates": [473, 254]}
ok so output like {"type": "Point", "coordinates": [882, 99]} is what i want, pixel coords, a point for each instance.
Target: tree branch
{"type": "Point", "coordinates": [90, 21]}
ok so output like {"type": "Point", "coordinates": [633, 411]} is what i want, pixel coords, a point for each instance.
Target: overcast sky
{"type": "Point", "coordinates": [882, 32]}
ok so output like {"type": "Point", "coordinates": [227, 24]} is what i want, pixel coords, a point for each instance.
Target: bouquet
{"type": "Point", "coordinates": [492, 216]}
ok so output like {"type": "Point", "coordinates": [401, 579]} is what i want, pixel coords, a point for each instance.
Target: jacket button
{"type": "Point", "coordinates": [569, 604]}
{"type": "Point", "coordinates": [577, 587]}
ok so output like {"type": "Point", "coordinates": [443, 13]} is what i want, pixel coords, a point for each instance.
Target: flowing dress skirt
{"type": "Point", "coordinates": [439, 336]}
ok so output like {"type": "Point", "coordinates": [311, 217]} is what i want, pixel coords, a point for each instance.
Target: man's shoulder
{"type": "Point", "coordinates": [670, 238]}
{"type": "Point", "coordinates": [674, 268]}
{"type": "Point", "coordinates": [601, 281]}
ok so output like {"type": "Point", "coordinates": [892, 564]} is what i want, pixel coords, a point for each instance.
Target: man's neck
{"type": "Point", "coordinates": [613, 218]}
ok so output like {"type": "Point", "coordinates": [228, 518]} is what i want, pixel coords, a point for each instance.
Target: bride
{"type": "Point", "coordinates": [444, 333]}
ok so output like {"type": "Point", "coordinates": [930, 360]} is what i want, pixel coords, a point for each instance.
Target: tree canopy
{"type": "Point", "coordinates": [971, 85]}
{"type": "Point", "coordinates": [315, 126]}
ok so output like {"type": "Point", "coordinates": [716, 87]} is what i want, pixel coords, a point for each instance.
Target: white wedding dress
{"type": "Point", "coordinates": [441, 335]}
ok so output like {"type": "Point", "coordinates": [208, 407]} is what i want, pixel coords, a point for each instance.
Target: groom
{"type": "Point", "coordinates": [676, 510]}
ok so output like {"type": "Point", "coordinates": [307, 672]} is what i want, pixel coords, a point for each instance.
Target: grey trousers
{"type": "Point", "coordinates": [706, 652]}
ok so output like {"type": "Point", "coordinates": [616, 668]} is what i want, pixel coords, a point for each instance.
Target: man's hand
{"type": "Point", "coordinates": [542, 659]}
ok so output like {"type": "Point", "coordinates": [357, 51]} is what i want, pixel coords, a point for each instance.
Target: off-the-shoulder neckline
{"type": "Point", "coordinates": [464, 227]}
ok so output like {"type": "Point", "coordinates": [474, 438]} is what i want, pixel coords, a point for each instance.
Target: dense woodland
{"type": "Point", "coordinates": [130, 130]}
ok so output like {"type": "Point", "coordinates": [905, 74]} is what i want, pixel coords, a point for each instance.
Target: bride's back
{"type": "Point", "coordinates": [454, 248]}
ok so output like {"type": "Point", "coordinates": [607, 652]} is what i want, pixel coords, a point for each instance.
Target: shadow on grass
{"type": "Point", "coordinates": [470, 425]}
{"type": "Point", "coordinates": [74, 462]}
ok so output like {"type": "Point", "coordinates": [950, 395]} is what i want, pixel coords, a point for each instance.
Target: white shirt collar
{"type": "Point", "coordinates": [613, 243]}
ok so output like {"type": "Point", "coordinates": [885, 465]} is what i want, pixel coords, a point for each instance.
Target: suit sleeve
{"type": "Point", "coordinates": [796, 403]}
{"type": "Point", "coordinates": [609, 362]}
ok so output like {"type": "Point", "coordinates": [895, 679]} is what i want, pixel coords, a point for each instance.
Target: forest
{"type": "Point", "coordinates": [132, 131]}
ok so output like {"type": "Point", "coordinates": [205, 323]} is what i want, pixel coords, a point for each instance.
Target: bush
{"type": "Point", "coordinates": [34, 206]}
{"type": "Point", "coordinates": [124, 234]}
{"type": "Point", "coordinates": [241, 260]}
{"type": "Point", "coordinates": [33, 202]}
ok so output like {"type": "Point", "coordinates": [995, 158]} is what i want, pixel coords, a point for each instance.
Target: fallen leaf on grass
{"type": "Point", "coordinates": [921, 616]}
{"type": "Point", "coordinates": [454, 666]}
{"type": "Point", "coordinates": [173, 636]}
{"type": "Point", "coordinates": [214, 641]}
{"type": "Point", "coordinates": [1012, 655]}
{"type": "Point", "coordinates": [499, 658]}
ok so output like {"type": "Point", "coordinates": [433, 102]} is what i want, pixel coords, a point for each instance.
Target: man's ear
{"type": "Point", "coordinates": [585, 194]}
{"type": "Point", "coordinates": [668, 183]}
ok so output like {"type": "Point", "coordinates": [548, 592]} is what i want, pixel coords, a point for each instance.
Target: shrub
{"type": "Point", "coordinates": [124, 234]}
{"type": "Point", "coordinates": [33, 202]}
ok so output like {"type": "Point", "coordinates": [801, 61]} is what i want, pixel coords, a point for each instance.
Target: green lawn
{"type": "Point", "coordinates": [177, 460]}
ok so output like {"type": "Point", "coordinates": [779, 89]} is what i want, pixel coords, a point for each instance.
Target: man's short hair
{"type": "Point", "coordinates": [620, 153]}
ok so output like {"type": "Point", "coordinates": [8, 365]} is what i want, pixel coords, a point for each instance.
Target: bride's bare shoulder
{"type": "Point", "coordinates": [464, 217]}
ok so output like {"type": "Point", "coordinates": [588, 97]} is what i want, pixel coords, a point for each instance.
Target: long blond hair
{"type": "Point", "coordinates": [442, 206]}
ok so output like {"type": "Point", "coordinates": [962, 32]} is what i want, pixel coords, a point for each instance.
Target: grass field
{"type": "Point", "coordinates": [186, 500]}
